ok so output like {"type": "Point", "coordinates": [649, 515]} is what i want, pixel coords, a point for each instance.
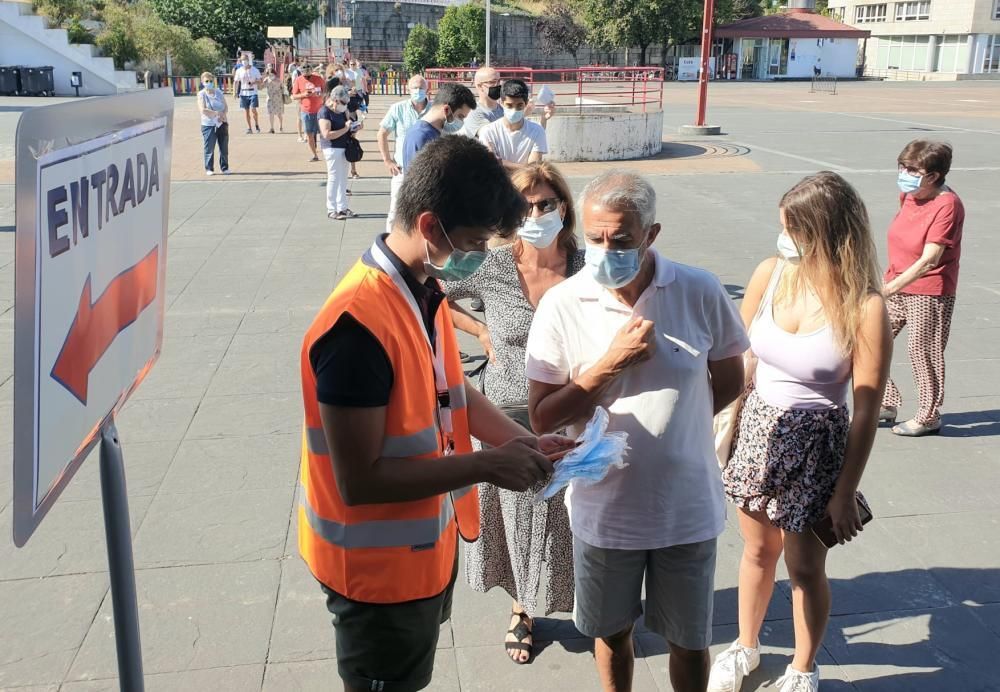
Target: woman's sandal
{"type": "Point", "coordinates": [521, 631]}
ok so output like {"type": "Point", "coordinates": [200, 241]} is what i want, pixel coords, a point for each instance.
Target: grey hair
{"type": "Point", "coordinates": [339, 93]}
{"type": "Point", "coordinates": [622, 191]}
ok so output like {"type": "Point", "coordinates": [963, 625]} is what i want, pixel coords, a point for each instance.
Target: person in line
{"type": "Point", "coordinates": [291, 74]}
{"type": "Point", "coordinates": [308, 91]}
{"type": "Point", "coordinates": [334, 76]}
{"type": "Point", "coordinates": [821, 333]}
{"type": "Point", "coordinates": [355, 111]}
{"type": "Point", "coordinates": [487, 84]}
{"type": "Point", "coordinates": [400, 117]}
{"type": "Point", "coordinates": [362, 83]}
{"type": "Point", "coordinates": [523, 544]}
{"type": "Point", "coordinates": [388, 470]}
{"type": "Point", "coordinates": [515, 140]}
{"type": "Point", "coordinates": [275, 92]}
{"type": "Point", "coordinates": [247, 78]}
{"type": "Point", "coordinates": [335, 129]}
{"type": "Point", "coordinates": [659, 345]}
{"type": "Point", "coordinates": [452, 103]}
{"type": "Point", "coordinates": [214, 123]}
{"type": "Point", "coordinates": [921, 281]}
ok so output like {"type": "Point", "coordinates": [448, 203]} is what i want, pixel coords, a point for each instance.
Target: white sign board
{"type": "Point", "coordinates": [97, 299]}
{"type": "Point", "coordinates": [689, 68]}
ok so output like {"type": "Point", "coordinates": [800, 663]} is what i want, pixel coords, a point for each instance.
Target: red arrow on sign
{"type": "Point", "coordinates": [97, 325]}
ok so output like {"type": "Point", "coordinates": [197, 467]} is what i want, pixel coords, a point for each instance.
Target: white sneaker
{"type": "Point", "coordinates": [209, 172]}
{"type": "Point", "coordinates": [731, 666]}
{"type": "Point", "coordinates": [796, 681]}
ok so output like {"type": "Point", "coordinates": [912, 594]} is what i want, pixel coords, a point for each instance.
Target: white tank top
{"type": "Point", "coordinates": [798, 371]}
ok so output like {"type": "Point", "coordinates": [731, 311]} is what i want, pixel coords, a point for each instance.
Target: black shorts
{"type": "Point", "coordinates": [389, 648]}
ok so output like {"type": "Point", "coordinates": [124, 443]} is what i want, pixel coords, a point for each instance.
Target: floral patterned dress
{"type": "Point", "coordinates": [521, 543]}
{"type": "Point", "coordinates": [275, 96]}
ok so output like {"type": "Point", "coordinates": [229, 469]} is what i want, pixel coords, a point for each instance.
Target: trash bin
{"type": "Point", "coordinates": [37, 81]}
{"type": "Point", "coordinates": [10, 81]}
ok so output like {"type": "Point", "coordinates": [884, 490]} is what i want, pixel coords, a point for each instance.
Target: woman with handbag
{"type": "Point", "coordinates": [522, 544]}
{"type": "Point", "coordinates": [335, 131]}
{"type": "Point", "coordinates": [821, 331]}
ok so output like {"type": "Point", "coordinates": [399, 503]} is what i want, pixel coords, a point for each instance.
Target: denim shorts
{"type": "Point", "coordinates": [248, 101]}
{"type": "Point", "coordinates": [310, 122]}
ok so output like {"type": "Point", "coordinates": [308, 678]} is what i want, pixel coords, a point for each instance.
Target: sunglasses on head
{"type": "Point", "coordinates": [544, 206]}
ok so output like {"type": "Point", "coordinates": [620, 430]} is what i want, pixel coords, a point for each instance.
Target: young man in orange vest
{"type": "Point", "coordinates": [388, 472]}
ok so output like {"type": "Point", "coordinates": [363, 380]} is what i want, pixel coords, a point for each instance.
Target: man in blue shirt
{"type": "Point", "coordinates": [452, 104]}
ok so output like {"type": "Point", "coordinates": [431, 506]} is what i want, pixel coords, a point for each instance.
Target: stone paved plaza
{"type": "Point", "coordinates": [211, 439]}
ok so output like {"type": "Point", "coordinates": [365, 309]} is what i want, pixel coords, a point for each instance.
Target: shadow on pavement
{"type": "Point", "coordinates": [971, 424]}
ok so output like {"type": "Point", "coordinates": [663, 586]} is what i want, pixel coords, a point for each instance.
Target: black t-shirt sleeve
{"type": "Point", "coordinates": [352, 369]}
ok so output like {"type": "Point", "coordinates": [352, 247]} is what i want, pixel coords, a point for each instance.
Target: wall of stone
{"type": "Point", "coordinates": [381, 28]}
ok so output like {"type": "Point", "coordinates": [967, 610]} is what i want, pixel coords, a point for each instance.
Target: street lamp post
{"type": "Point", "coordinates": [488, 18]}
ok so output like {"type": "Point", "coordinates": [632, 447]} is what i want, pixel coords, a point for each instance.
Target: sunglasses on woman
{"type": "Point", "coordinates": [544, 206]}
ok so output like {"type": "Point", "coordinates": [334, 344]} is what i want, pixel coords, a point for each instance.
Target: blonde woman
{"type": "Point", "coordinates": [214, 113]}
{"type": "Point", "coordinates": [821, 335]}
{"type": "Point", "coordinates": [522, 545]}
{"type": "Point", "coordinates": [275, 92]}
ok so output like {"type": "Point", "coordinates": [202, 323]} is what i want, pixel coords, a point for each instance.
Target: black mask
{"type": "Point", "coordinates": [494, 92]}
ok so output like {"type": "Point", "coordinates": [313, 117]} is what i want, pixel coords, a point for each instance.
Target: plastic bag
{"type": "Point", "coordinates": [590, 462]}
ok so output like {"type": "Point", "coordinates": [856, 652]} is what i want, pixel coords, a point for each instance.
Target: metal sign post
{"type": "Point", "coordinates": [700, 128]}
{"type": "Point", "coordinates": [90, 280]}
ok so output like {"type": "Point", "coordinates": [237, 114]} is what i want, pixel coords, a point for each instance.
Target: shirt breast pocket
{"type": "Point", "coordinates": [685, 358]}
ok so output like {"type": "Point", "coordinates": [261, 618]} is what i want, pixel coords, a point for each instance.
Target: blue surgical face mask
{"type": "Point", "coordinates": [612, 268]}
{"type": "Point", "coordinates": [788, 249]}
{"type": "Point", "coordinates": [461, 264]}
{"type": "Point", "coordinates": [908, 182]}
{"type": "Point", "coordinates": [513, 115]}
{"type": "Point", "coordinates": [541, 231]}
{"type": "Point", "coordinates": [208, 84]}
{"type": "Point", "coordinates": [454, 126]}
{"type": "Point", "coordinates": [418, 95]}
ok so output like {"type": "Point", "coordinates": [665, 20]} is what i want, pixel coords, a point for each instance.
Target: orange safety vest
{"type": "Point", "coordinates": [393, 552]}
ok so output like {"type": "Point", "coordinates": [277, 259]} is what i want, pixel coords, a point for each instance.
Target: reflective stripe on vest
{"type": "Point", "coordinates": [417, 444]}
{"type": "Point", "coordinates": [386, 533]}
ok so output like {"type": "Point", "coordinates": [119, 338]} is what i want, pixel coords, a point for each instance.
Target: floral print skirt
{"type": "Point", "coordinates": [786, 461]}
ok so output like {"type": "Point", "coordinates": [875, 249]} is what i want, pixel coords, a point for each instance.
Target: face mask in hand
{"type": "Point", "coordinates": [541, 231]}
{"type": "Point", "coordinates": [612, 268]}
{"type": "Point", "coordinates": [459, 265]}
{"type": "Point", "coordinates": [908, 182]}
{"type": "Point", "coordinates": [788, 249]}
{"type": "Point", "coordinates": [513, 115]}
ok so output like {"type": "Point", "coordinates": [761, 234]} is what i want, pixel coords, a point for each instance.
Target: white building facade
{"type": "Point", "coordinates": [927, 39]}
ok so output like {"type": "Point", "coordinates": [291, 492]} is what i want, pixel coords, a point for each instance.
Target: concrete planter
{"type": "Point", "coordinates": [604, 134]}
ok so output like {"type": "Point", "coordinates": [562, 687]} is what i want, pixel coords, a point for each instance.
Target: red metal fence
{"type": "Point", "coordinates": [634, 88]}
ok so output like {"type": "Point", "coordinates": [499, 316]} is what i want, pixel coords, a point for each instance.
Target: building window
{"type": "Point", "coordinates": [996, 9]}
{"type": "Point", "coordinates": [838, 13]}
{"type": "Point", "coordinates": [991, 62]}
{"type": "Point", "coordinates": [871, 13]}
{"type": "Point", "coordinates": [910, 11]}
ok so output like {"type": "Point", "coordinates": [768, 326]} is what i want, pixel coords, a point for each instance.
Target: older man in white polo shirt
{"type": "Point", "coordinates": [659, 344]}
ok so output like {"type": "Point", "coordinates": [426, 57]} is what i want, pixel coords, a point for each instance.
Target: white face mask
{"type": "Point", "coordinates": [788, 249]}
{"type": "Point", "coordinates": [340, 108]}
{"type": "Point", "coordinates": [541, 231]}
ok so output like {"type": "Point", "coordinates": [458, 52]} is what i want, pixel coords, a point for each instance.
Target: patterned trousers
{"type": "Point", "coordinates": [929, 320]}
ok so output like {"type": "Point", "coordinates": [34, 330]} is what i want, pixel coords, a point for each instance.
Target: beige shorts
{"type": "Point", "coordinates": [680, 587]}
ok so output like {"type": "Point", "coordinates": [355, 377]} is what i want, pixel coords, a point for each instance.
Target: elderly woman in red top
{"type": "Point", "coordinates": [925, 244]}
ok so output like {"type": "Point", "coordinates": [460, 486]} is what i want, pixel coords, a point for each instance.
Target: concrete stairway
{"type": "Point", "coordinates": [26, 39]}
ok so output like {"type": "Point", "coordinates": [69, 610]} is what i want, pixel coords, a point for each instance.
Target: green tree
{"type": "Point", "coordinates": [558, 30]}
{"type": "Point", "coordinates": [461, 34]}
{"type": "Point", "coordinates": [117, 39]}
{"type": "Point", "coordinates": [420, 50]}
{"type": "Point", "coordinates": [625, 23]}
{"type": "Point", "coordinates": [237, 23]}
{"type": "Point", "coordinates": [77, 32]}
{"type": "Point", "coordinates": [61, 11]}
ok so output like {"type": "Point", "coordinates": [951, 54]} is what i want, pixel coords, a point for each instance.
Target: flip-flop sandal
{"type": "Point", "coordinates": [521, 631]}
